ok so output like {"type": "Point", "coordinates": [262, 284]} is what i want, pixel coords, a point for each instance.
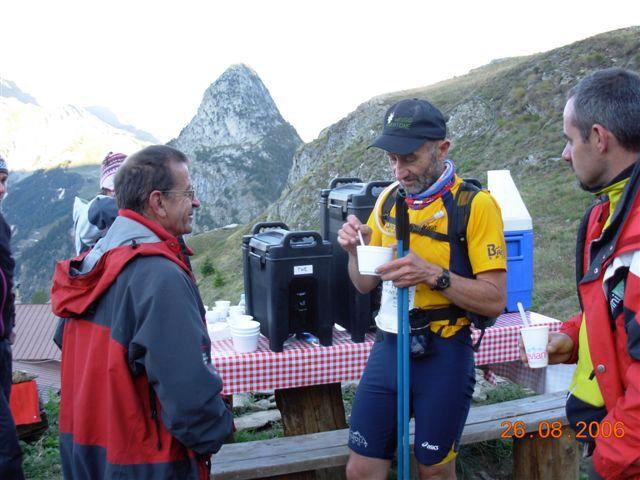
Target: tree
{"type": "Point", "coordinates": [207, 268]}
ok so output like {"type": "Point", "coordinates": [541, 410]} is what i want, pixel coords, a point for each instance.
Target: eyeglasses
{"type": "Point", "coordinates": [191, 194]}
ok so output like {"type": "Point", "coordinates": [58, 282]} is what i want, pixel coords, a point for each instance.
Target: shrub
{"type": "Point", "coordinates": [207, 268]}
{"type": "Point", "coordinates": [219, 281]}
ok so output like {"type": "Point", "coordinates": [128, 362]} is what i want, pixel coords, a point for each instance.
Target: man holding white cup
{"type": "Point", "coordinates": [445, 282]}
{"type": "Point", "coordinates": [602, 128]}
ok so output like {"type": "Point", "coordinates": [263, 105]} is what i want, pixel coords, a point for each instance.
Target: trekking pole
{"type": "Point", "coordinates": [402, 237]}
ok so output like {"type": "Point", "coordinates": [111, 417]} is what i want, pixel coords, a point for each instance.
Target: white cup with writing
{"type": "Point", "coordinates": [370, 258]}
{"type": "Point", "coordinates": [535, 341]}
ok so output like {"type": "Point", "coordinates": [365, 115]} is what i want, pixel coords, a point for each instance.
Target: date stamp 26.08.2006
{"type": "Point", "coordinates": [544, 429]}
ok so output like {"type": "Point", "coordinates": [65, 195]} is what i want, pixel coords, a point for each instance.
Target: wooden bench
{"type": "Point", "coordinates": [536, 455]}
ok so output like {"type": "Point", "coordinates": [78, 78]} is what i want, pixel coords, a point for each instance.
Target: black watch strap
{"type": "Point", "coordinates": [443, 281]}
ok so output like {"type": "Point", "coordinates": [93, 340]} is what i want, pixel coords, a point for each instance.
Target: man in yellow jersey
{"type": "Point", "coordinates": [602, 128]}
{"type": "Point", "coordinates": [446, 283]}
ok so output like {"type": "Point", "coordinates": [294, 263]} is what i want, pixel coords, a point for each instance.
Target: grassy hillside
{"type": "Point", "coordinates": [507, 114]}
{"type": "Point", "coordinates": [222, 249]}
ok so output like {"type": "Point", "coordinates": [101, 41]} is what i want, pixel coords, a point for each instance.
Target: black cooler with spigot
{"type": "Point", "coordinates": [344, 197]}
{"type": "Point", "coordinates": [287, 278]}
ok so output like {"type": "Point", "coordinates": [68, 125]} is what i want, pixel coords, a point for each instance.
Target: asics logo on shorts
{"type": "Point", "coordinates": [356, 438]}
{"type": "Point", "coordinates": [428, 446]}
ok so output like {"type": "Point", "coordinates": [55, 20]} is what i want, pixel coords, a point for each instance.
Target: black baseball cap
{"type": "Point", "coordinates": [408, 124]}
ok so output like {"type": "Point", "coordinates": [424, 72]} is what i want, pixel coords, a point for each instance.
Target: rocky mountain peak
{"type": "Point", "coordinates": [236, 109]}
{"type": "Point", "coordinates": [241, 147]}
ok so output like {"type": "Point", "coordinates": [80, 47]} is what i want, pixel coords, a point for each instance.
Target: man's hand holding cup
{"type": "Point", "coordinates": [559, 348]}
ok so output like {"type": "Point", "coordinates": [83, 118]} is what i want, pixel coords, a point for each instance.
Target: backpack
{"type": "Point", "coordinates": [457, 239]}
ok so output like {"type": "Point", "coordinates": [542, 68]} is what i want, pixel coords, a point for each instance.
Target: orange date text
{"type": "Point", "coordinates": [584, 430]}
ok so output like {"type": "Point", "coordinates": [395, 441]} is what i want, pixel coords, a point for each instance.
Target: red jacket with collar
{"type": "Point", "coordinates": [614, 343]}
{"type": "Point", "coordinates": [140, 397]}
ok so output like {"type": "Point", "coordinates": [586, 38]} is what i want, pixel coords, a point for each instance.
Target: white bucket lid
{"type": "Point", "coordinates": [515, 215]}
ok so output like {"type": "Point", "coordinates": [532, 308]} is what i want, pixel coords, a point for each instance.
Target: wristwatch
{"type": "Point", "coordinates": [443, 281]}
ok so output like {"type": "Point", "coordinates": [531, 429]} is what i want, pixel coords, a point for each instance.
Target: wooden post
{"type": "Point", "coordinates": [537, 458]}
{"type": "Point", "coordinates": [312, 409]}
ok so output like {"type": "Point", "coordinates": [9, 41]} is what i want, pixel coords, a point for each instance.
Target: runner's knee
{"type": "Point", "coordinates": [364, 468]}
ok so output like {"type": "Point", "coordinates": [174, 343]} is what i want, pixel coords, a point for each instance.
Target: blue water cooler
{"type": "Point", "coordinates": [518, 233]}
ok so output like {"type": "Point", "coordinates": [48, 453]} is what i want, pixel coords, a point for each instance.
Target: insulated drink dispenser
{"type": "Point", "coordinates": [344, 197]}
{"type": "Point", "coordinates": [287, 276]}
{"type": "Point", "coordinates": [518, 234]}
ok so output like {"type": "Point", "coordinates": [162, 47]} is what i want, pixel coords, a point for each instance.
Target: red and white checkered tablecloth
{"type": "Point", "coordinates": [301, 364]}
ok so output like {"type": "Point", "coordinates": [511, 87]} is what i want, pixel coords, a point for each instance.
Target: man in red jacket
{"type": "Point", "coordinates": [140, 397]}
{"type": "Point", "coordinates": [602, 128]}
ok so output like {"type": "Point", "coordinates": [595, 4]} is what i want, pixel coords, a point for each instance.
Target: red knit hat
{"type": "Point", "coordinates": [110, 166]}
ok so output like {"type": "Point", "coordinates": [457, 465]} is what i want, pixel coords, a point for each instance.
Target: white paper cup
{"type": "Point", "coordinates": [535, 341]}
{"type": "Point", "coordinates": [245, 343]}
{"type": "Point", "coordinates": [219, 331]}
{"type": "Point", "coordinates": [370, 258]}
{"type": "Point", "coordinates": [233, 319]}
{"type": "Point", "coordinates": [236, 310]}
{"type": "Point", "coordinates": [216, 315]}
{"type": "Point", "coordinates": [223, 305]}
{"type": "Point", "coordinates": [241, 326]}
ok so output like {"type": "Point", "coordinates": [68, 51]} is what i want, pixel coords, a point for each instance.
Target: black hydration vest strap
{"type": "Point", "coordinates": [419, 319]}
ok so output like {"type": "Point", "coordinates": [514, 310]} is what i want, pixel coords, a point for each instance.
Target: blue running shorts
{"type": "Point", "coordinates": [441, 387]}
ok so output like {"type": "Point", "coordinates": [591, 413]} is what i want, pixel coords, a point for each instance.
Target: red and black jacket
{"type": "Point", "coordinates": [140, 397]}
{"type": "Point", "coordinates": [614, 340]}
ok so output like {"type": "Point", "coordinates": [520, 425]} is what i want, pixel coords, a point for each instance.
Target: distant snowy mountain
{"type": "Point", "coordinates": [107, 116]}
{"type": "Point", "coordinates": [34, 136]}
{"type": "Point", "coordinates": [8, 89]}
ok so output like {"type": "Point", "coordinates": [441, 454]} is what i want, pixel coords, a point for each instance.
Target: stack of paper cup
{"type": "Point", "coordinates": [370, 258]}
{"type": "Point", "coordinates": [245, 335]}
{"type": "Point", "coordinates": [535, 341]}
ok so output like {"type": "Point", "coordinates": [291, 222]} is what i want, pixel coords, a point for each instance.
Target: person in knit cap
{"type": "Point", "coordinates": [110, 166]}
{"type": "Point", "coordinates": [10, 454]}
{"type": "Point", "coordinates": [92, 219]}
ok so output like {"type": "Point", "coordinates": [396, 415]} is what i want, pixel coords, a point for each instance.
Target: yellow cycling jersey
{"type": "Point", "coordinates": [485, 241]}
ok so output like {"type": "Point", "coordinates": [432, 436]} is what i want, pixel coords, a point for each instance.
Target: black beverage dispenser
{"type": "Point", "coordinates": [287, 277]}
{"type": "Point", "coordinates": [344, 197]}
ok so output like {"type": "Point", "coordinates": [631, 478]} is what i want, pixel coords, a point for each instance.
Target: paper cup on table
{"type": "Point", "coordinates": [535, 341]}
{"type": "Point", "coordinates": [370, 258]}
{"type": "Point", "coordinates": [219, 331]}
{"type": "Point", "coordinates": [245, 343]}
{"type": "Point", "coordinates": [233, 319]}
{"type": "Point", "coordinates": [216, 315]}
{"type": "Point", "coordinates": [236, 310]}
{"type": "Point", "coordinates": [243, 327]}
